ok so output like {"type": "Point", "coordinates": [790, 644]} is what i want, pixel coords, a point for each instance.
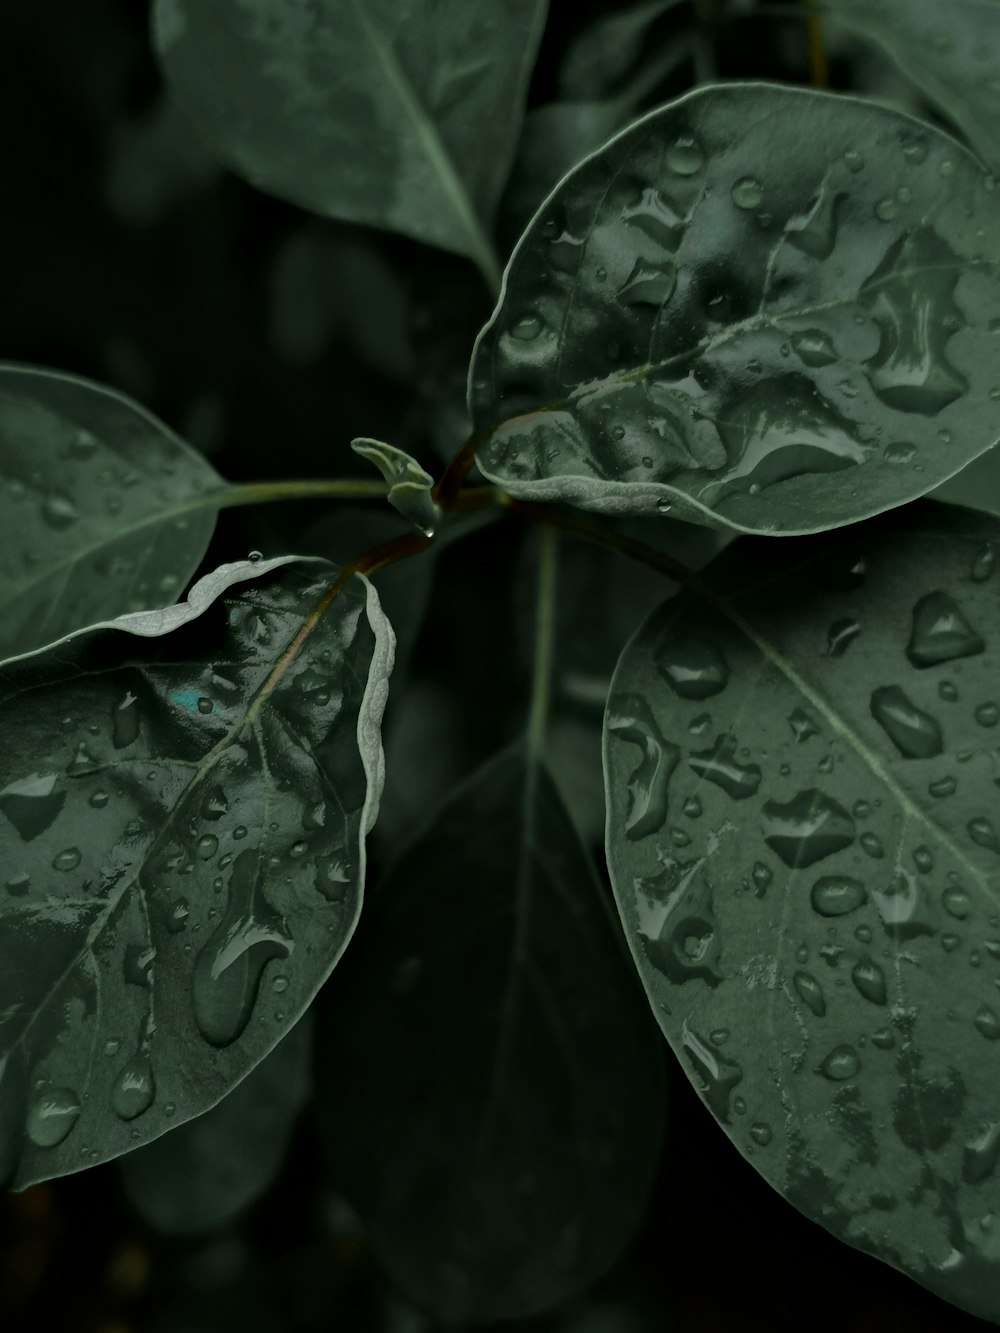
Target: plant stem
{"type": "Point", "coordinates": [264, 492]}
{"type": "Point", "coordinates": [819, 73]}
{"type": "Point", "coordinates": [545, 615]}
{"type": "Point", "coordinates": [705, 69]}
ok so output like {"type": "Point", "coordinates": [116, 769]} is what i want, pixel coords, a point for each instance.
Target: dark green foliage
{"type": "Point", "coordinates": [742, 326]}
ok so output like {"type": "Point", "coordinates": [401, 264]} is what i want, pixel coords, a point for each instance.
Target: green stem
{"type": "Point", "coordinates": [545, 615]}
{"type": "Point", "coordinates": [264, 492]}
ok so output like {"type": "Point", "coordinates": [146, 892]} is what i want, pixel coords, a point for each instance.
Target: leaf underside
{"type": "Point", "coordinates": [100, 510]}
{"type": "Point", "coordinates": [804, 843]}
{"type": "Point", "coordinates": [760, 307]}
{"type": "Point", "coordinates": [489, 1009]}
{"type": "Point", "coordinates": [182, 823]}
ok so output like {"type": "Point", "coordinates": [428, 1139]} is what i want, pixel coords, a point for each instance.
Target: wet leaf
{"type": "Point", "coordinates": [488, 1009]}
{"type": "Point", "coordinates": [182, 825]}
{"type": "Point", "coordinates": [99, 507]}
{"type": "Point", "coordinates": [209, 1171]}
{"type": "Point", "coordinates": [400, 114]}
{"type": "Point", "coordinates": [952, 55]}
{"type": "Point", "coordinates": [760, 308]}
{"type": "Point", "coordinates": [802, 834]}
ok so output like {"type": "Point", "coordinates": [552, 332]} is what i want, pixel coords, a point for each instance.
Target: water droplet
{"type": "Point", "coordinates": [177, 915]}
{"type": "Point", "coordinates": [982, 565]}
{"type": "Point", "coordinates": [134, 1089]}
{"type": "Point", "coordinates": [915, 151]}
{"type": "Point", "coordinates": [886, 209]}
{"type": "Point", "coordinates": [685, 156]}
{"type": "Point", "coordinates": [206, 846]}
{"type": "Point", "coordinates": [99, 799]}
{"type": "Point", "coordinates": [52, 1117]}
{"type": "Point", "coordinates": [807, 828]}
{"type": "Point", "coordinates": [693, 668]}
{"type": "Point", "coordinates": [987, 714]}
{"type": "Point", "coordinates": [526, 327]}
{"type": "Point", "coordinates": [923, 859]}
{"type": "Point", "coordinates": [761, 876]}
{"type": "Point", "coordinates": [810, 992]}
{"type": "Point", "coordinates": [240, 832]}
{"type": "Point", "coordinates": [983, 834]}
{"type": "Point", "coordinates": [871, 844]}
{"type": "Point", "coordinates": [942, 786]}
{"type": "Point", "coordinates": [255, 557]}
{"type": "Point", "coordinates": [940, 632]}
{"type": "Point", "coordinates": [719, 766]}
{"type": "Point", "coordinates": [869, 980]}
{"type": "Point", "coordinates": [814, 347]}
{"type": "Point", "coordinates": [748, 193]}
{"type": "Point", "coordinates": [228, 968]}
{"type": "Point", "coordinates": [840, 1064]}
{"type": "Point", "coordinates": [215, 804]}
{"type": "Point", "coordinates": [664, 506]}
{"type": "Point", "coordinates": [854, 160]}
{"type": "Point", "coordinates": [861, 809]}
{"type": "Point", "coordinates": [716, 1075]}
{"type": "Point", "coordinates": [630, 719]}
{"type": "Point", "coordinates": [760, 1132]}
{"type": "Point", "coordinates": [899, 451]}
{"type": "Point", "coordinates": [59, 512]}
{"type": "Point", "coordinates": [915, 734]}
{"type": "Point", "coordinates": [802, 725]}
{"type": "Point", "coordinates": [649, 283]}
{"type": "Point", "coordinates": [205, 705]}
{"type": "Point", "coordinates": [32, 803]}
{"type": "Point", "coordinates": [884, 1039]}
{"type": "Point", "coordinates": [948, 691]}
{"type": "Point", "coordinates": [125, 721]}
{"type": "Point", "coordinates": [68, 859]}
{"type": "Point", "coordinates": [980, 1156]}
{"type": "Point", "coordinates": [692, 807]}
{"type": "Point", "coordinates": [956, 902]}
{"type": "Point", "coordinates": [836, 895]}
{"type": "Point", "coordinates": [987, 1023]}
{"type": "Point", "coordinates": [840, 636]}
{"type": "Point", "coordinates": [279, 984]}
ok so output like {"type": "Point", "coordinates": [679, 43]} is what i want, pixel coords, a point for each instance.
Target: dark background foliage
{"type": "Point", "coordinates": [269, 339]}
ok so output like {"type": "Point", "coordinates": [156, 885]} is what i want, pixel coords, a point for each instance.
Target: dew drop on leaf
{"type": "Point", "coordinates": [940, 632]}
{"type": "Point", "coordinates": [52, 1116]}
{"type": "Point", "coordinates": [134, 1089]}
{"type": "Point", "coordinates": [693, 668]}
{"type": "Point", "coordinates": [915, 734]}
{"type": "Point", "coordinates": [836, 895]}
{"type": "Point", "coordinates": [807, 828]}
{"type": "Point", "coordinates": [842, 1063]}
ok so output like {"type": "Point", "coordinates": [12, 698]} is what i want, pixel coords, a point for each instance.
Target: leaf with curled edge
{"type": "Point", "coordinates": [816, 913]}
{"type": "Point", "coordinates": [103, 510]}
{"type": "Point", "coordinates": [489, 1008]}
{"type": "Point", "coordinates": [184, 804]}
{"type": "Point", "coordinates": [761, 308]}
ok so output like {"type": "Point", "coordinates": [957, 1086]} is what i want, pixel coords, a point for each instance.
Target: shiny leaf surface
{"type": "Point", "coordinates": [99, 505]}
{"type": "Point", "coordinates": [489, 1010]}
{"type": "Point", "coordinates": [803, 838]}
{"type": "Point", "coordinates": [761, 308]}
{"type": "Point", "coordinates": [951, 53]}
{"type": "Point", "coordinates": [400, 114]}
{"type": "Point", "coordinates": [185, 796]}
{"type": "Point", "coordinates": [209, 1171]}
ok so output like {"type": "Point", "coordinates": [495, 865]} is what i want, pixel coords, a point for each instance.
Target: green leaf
{"type": "Point", "coordinates": [801, 777]}
{"type": "Point", "coordinates": [101, 507]}
{"type": "Point", "coordinates": [977, 485]}
{"type": "Point", "coordinates": [182, 825]}
{"type": "Point", "coordinates": [950, 53]}
{"type": "Point", "coordinates": [760, 308]}
{"type": "Point", "coordinates": [400, 114]}
{"type": "Point", "coordinates": [206, 1173]}
{"type": "Point", "coordinates": [601, 57]}
{"type": "Point", "coordinates": [488, 1010]}
{"type": "Point", "coordinates": [410, 485]}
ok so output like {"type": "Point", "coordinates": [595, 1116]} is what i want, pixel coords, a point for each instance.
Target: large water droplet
{"type": "Point", "coordinates": [693, 668]}
{"type": "Point", "coordinates": [630, 719]}
{"type": "Point", "coordinates": [956, 902]}
{"type": "Point", "coordinates": [677, 924]}
{"type": "Point", "coordinates": [983, 834]}
{"type": "Point", "coordinates": [810, 992]}
{"type": "Point", "coordinates": [915, 734]}
{"type": "Point", "coordinates": [526, 328]}
{"type": "Point", "coordinates": [125, 721]}
{"type": "Point", "coordinates": [869, 979]}
{"type": "Point", "coordinates": [59, 511]}
{"type": "Point", "coordinates": [134, 1090]}
{"type": "Point", "coordinates": [648, 283]}
{"type": "Point", "coordinates": [904, 907]}
{"type": "Point", "coordinates": [942, 787]}
{"type": "Point", "coordinates": [814, 347]}
{"type": "Point", "coordinates": [836, 895]}
{"type": "Point", "coordinates": [807, 828]}
{"type": "Point", "coordinates": [67, 859]}
{"type": "Point", "coordinates": [52, 1117]}
{"type": "Point", "coordinates": [987, 714]}
{"type": "Point", "coordinates": [716, 1075]}
{"type": "Point", "coordinates": [720, 766]}
{"type": "Point", "coordinates": [987, 1023]}
{"type": "Point", "coordinates": [748, 193]}
{"type": "Point", "coordinates": [802, 725]}
{"type": "Point", "coordinates": [32, 804]}
{"type": "Point", "coordinates": [840, 1064]}
{"type": "Point", "coordinates": [760, 1132]}
{"type": "Point", "coordinates": [940, 632]}
{"type": "Point", "coordinates": [815, 232]}
{"type": "Point", "coordinates": [228, 968]}
{"type": "Point", "coordinates": [685, 156]}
